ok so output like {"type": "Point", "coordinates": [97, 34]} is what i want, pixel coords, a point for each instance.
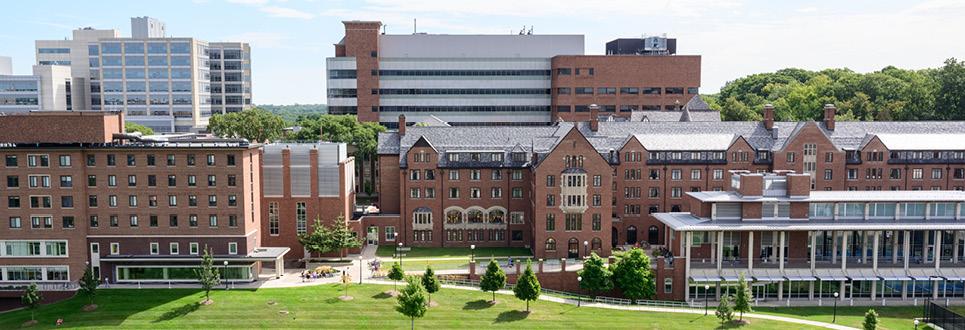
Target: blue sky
{"type": "Point", "coordinates": [291, 38]}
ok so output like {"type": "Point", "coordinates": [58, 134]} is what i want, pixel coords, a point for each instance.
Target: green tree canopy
{"type": "Point", "coordinates": [31, 298]}
{"type": "Point", "coordinates": [870, 320]}
{"type": "Point", "coordinates": [132, 127]}
{"type": "Point", "coordinates": [88, 284]}
{"type": "Point", "coordinates": [430, 282]}
{"type": "Point", "coordinates": [255, 125]}
{"type": "Point", "coordinates": [207, 275]}
{"type": "Point", "coordinates": [742, 301]}
{"type": "Point", "coordinates": [494, 278]}
{"type": "Point", "coordinates": [633, 276]}
{"type": "Point", "coordinates": [412, 300]}
{"type": "Point", "coordinates": [595, 275]}
{"type": "Point", "coordinates": [527, 286]}
{"type": "Point", "coordinates": [725, 312]}
{"type": "Point", "coordinates": [340, 128]}
{"type": "Point", "coordinates": [395, 273]}
{"type": "Point", "coordinates": [324, 239]}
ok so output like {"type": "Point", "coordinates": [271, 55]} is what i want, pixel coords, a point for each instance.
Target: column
{"type": "Point", "coordinates": [834, 247]}
{"type": "Point", "coordinates": [906, 248]}
{"type": "Point", "coordinates": [894, 247]}
{"type": "Point", "coordinates": [841, 291]}
{"type": "Point", "coordinates": [874, 253]}
{"type": "Point", "coordinates": [689, 239]}
{"type": "Point", "coordinates": [720, 250]}
{"type": "Point", "coordinates": [780, 252]}
{"type": "Point", "coordinates": [844, 253]}
{"type": "Point", "coordinates": [814, 247]}
{"type": "Point", "coordinates": [750, 252]}
{"type": "Point", "coordinates": [713, 238]}
{"type": "Point", "coordinates": [864, 245]}
{"type": "Point", "coordinates": [955, 247]}
{"type": "Point", "coordinates": [873, 289]}
{"type": "Point", "coordinates": [938, 248]}
{"type": "Point", "coordinates": [810, 290]}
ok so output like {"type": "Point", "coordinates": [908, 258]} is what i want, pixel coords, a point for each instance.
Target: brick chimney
{"type": "Point", "coordinates": [401, 125]}
{"type": "Point", "coordinates": [768, 116]}
{"type": "Point", "coordinates": [829, 111]}
{"type": "Point", "coordinates": [594, 117]}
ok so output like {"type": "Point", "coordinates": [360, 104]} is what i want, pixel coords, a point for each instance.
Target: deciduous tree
{"type": "Point", "coordinates": [31, 298]}
{"type": "Point", "coordinates": [412, 300]}
{"type": "Point", "coordinates": [595, 275]}
{"type": "Point", "coordinates": [132, 127]}
{"type": "Point", "coordinates": [396, 274]}
{"type": "Point", "coordinates": [430, 282]}
{"type": "Point", "coordinates": [207, 275]}
{"type": "Point", "coordinates": [255, 125]}
{"type": "Point", "coordinates": [494, 278]}
{"type": "Point", "coordinates": [527, 286]}
{"type": "Point", "coordinates": [632, 274]}
{"type": "Point", "coordinates": [742, 301]}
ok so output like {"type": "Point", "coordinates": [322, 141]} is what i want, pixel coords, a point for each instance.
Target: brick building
{"type": "Point", "coordinates": [573, 188]}
{"type": "Point", "coordinates": [78, 190]}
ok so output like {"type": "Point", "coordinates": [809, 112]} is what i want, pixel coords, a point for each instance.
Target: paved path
{"type": "Point", "coordinates": [650, 309]}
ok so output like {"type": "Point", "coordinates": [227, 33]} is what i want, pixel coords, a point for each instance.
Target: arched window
{"type": "Point", "coordinates": [497, 217]}
{"type": "Point", "coordinates": [596, 244]}
{"type": "Point", "coordinates": [550, 244]}
{"type": "Point", "coordinates": [675, 208]}
{"type": "Point", "coordinates": [474, 216]}
{"type": "Point", "coordinates": [453, 217]}
{"type": "Point", "coordinates": [632, 235]}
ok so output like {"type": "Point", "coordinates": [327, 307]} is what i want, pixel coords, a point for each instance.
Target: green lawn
{"type": "Point", "coordinates": [897, 317]}
{"type": "Point", "coordinates": [386, 251]}
{"type": "Point", "coordinates": [318, 307]}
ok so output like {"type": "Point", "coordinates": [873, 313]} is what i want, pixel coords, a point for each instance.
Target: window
{"type": "Point", "coordinates": [63, 160]}
{"type": "Point", "coordinates": [695, 174]}
{"type": "Point", "coordinates": [170, 160]}
{"type": "Point", "coordinates": [597, 222]}
{"type": "Point", "coordinates": [131, 161]}
{"type": "Point", "coordinates": [516, 218]}
{"type": "Point", "coordinates": [191, 160]}
{"type": "Point", "coordinates": [232, 248]}
{"type": "Point", "coordinates": [675, 192]}
{"type": "Point", "coordinates": [414, 175]}
{"type": "Point", "coordinates": [936, 173]}
{"type": "Point", "coordinates": [155, 248]}
{"type": "Point", "coordinates": [453, 192]}
{"type": "Point", "coordinates": [173, 220]}
{"type": "Point", "coordinates": [454, 175]}
{"type": "Point", "coordinates": [174, 248]}
{"type": "Point", "coordinates": [597, 181]}
{"type": "Point", "coordinates": [114, 222]}
{"type": "Point", "coordinates": [13, 202]}
{"type": "Point", "coordinates": [550, 244]}
{"type": "Point", "coordinates": [231, 160]}
{"type": "Point", "coordinates": [112, 181]}
{"type": "Point", "coordinates": [13, 181]}
{"type": "Point", "coordinates": [151, 160]}
{"type": "Point", "coordinates": [94, 221]}
{"type": "Point", "coordinates": [517, 175]}
{"type": "Point", "coordinates": [475, 175]}
{"type": "Point", "coordinates": [212, 220]}
{"type": "Point", "coordinates": [212, 200]}
{"type": "Point", "coordinates": [474, 193]}
{"type": "Point", "coordinates": [852, 174]}
{"type": "Point", "coordinates": [15, 223]}
{"type": "Point", "coordinates": [10, 161]}
{"type": "Point", "coordinates": [210, 160]}
{"type": "Point", "coordinates": [718, 174]}
{"type": "Point", "coordinates": [422, 218]}
{"type": "Point", "coordinates": [828, 175]}
{"type": "Point", "coordinates": [517, 192]}
{"type": "Point", "coordinates": [790, 157]}
{"type": "Point", "coordinates": [133, 220]}
{"type": "Point", "coordinates": [550, 222]}
{"type": "Point", "coordinates": [550, 200]}
{"type": "Point", "coordinates": [301, 218]}
{"type": "Point", "coordinates": [193, 248]}
{"type": "Point", "coordinates": [38, 181]}
{"type": "Point", "coordinates": [390, 233]}
{"type": "Point", "coordinates": [668, 285]}
{"type": "Point", "coordinates": [38, 161]}
{"type": "Point", "coordinates": [573, 221]}
{"type": "Point", "coordinates": [192, 220]}
{"type": "Point", "coordinates": [115, 248]}
{"type": "Point", "coordinates": [916, 173]}
{"type": "Point", "coordinates": [38, 222]}
{"type": "Point", "coordinates": [675, 175]}
{"type": "Point", "coordinates": [496, 192]}
{"type": "Point", "coordinates": [212, 181]}
{"type": "Point", "coordinates": [550, 181]}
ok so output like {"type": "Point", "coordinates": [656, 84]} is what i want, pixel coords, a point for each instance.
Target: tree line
{"type": "Point", "coordinates": [890, 94]}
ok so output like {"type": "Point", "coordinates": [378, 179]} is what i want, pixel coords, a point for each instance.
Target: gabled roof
{"type": "Point", "coordinates": [923, 141]}
{"type": "Point", "coordinates": [688, 142]}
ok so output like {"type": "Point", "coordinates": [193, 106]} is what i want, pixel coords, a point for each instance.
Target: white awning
{"type": "Point", "coordinates": [804, 275]}
{"type": "Point", "coordinates": [767, 275]}
{"type": "Point", "coordinates": [953, 274]}
{"type": "Point", "coordinates": [923, 274]}
{"type": "Point", "coordinates": [892, 274]}
{"type": "Point", "coordinates": [862, 274]}
{"type": "Point", "coordinates": [830, 275]}
{"type": "Point", "coordinates": [704, 275]}
{"type": "Point", "coordinates": [732, 275]}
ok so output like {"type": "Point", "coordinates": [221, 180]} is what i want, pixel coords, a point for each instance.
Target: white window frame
{"type": "Point", "coordinates": [115, 248]}
{"type": "Point", "coordinates": [232, 248]}
{"type": "Point", "coordinates": [174, 248]}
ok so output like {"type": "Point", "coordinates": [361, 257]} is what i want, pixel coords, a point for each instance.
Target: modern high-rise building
{"type": "Point", "coordinates": [230, 76]}
{"type": "Point", "coordinates": [161, 82]}
{"type": "Point", "coordinates": [513, 79]}
{"type": "Point", "coordinates": [49, 87]}
{"type": "Point", "coordinates": [6, 65]}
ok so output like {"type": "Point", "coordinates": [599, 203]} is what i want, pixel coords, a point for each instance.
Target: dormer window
{"type": "Point", "coordinates": [474, 156]}
{"type": "Point", "coordinates": [453, 157]}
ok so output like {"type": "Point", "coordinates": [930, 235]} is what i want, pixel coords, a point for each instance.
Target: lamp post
{"type": "Point", "coordinates": [225, 275]}
{"type": "Point", "coordinates": [835, 317]}
{"type": "Point", "coordinates": [916, 324]}
{"type": "Point", "coordinates": [472, 253]}
{"type": "Point", "coordinates": [399, 249]}
{"type": "Point", "coordinates": [579, 279]}
{"type": "Point", "coordinates": [360, 269]}
{"type": "Point", "coordinates": [706, 302]}
{"type": "Point", "coordinates": [586, 249]}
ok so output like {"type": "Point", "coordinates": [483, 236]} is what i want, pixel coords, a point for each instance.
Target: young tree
{"type": "Point", "coordinates": [207, 275]}
{"type": "Point", "coordinates": [595, 276]}
{"type": "Point", "coordinates": [725, 313]}
{"type": "Point", "coordinates": [633, 276]}
{"type": "Point", "coordinates": [430, 282]}
{"type": "Point", "coordinates": [396, 274]}
{"type": "Point", "coordinates": [742, 302]}
{"type": "Point", "coordinates": [31, 298]}
{"type": "Point", "coordinates": [870, 320]}
{"type": "Point", "coordinates": [255, 125]}
{"type": "Point", "coordinates": [527, 286]}
{"type": "Point", "coordinates": [316, 239]}
{"type": "Point", "coordinates": [341, 237]}
{"type": "Point", "coordinates": [494, 279]}
{"type": "Point", "coordinates": [132, 127]}
{"type": "Point", "coordinates": [88, 284]}
{"type": "Point", "coordinates": [412, 300]}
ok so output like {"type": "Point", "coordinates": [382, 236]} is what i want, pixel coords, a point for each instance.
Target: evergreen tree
{"type": "Point", "coordinates": [396, 274]}
{"type": "Point", "coordinates": [341, 237]}
{"type": "Point", "coordinates": [494, 278]}
{"type": "Point", "coordinates": [632, 274]}
{"type": "Point", "coordinates": [412, 300]}
{"type": "Point", "coordinates": [430, 282]}
{"type": "Point", "coordinates": [527, 286]}
{"type": "Point", "coordinates": [870, 320]}
{"type": "Point", "coordinates": [316, 240]}
{"type": "Point", "coordinates": [595, 276]}
{"type": "Point", "coordinates": [88, 284]}
{"type": "Point", "coordinates": [31, 298]}
{"type": "Point", "coordinates": [742, 302]}
{"type": "Point", "coordinates": [724, 312]}
{"type": "Point", "coordinates": [207, 274]}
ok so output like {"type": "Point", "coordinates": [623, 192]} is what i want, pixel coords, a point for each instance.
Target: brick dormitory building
{"type": "Point", "coordinates": [79, 191]}
{"type": "Point", "coordinates": [856, 206]}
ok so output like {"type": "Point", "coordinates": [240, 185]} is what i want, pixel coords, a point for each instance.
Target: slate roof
{"type": "Point", "coordinates": [657, 115]}
{"type": "Point", "coordinates": [848, 135]}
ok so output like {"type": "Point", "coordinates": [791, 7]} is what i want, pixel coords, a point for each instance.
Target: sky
{"type": "Point", "coordinates": [290, 39]}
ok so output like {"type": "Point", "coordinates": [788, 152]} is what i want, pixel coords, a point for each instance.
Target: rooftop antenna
{"type": "Point", "coordinates": [414, 30]}
{"type": "Point", "coordinates": [530, 30]}
{"type": "Point", "coordinates": [523, 31]}
{"type": "Point", "coordinates": [385, 27]}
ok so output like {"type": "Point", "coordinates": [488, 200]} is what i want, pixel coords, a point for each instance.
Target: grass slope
{"type": "Point", "coordinates": [386, 251]}
{"type": "Point", "coordinates": [898, 317]}
{"type": "Point", "coordinates": [319, 307]}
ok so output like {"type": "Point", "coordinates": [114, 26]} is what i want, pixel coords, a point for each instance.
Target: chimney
{"type": "Point", "coordinates": [594, 117]}
{"type": "Point", "coordinates": [401, 125]}
{"type": "Point", "coordinates": [829, 111]}
{"type": "Point", "coordinates": [769, 116]}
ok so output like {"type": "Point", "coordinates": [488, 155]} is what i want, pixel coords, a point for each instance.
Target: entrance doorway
{"type": "Point", "coordinates": [614, 237]}
{"type": "Point", "coordinates": [573, 249]}
{"type": "Point", "coordinates": [632, 235]}
{"type": "Point", "coordinates": [653, 235]}
{"type": "Point", "coordinates": [372, 235]}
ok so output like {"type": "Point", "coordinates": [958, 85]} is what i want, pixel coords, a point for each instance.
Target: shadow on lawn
{"type": "Point", "coordinates": [178, 312]}
{"type": "Point", "coordinates": [511, 316]}
{"type": "Point", "coordinates": [382, 295]}
{"type": "Point", "coordinates": [477, 305]}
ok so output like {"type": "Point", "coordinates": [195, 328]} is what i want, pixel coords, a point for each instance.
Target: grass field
{"type": "Point", "coordinates": [319, 307]}
{"type": "Point", "coordinates": [898, 317]}
{"type": "Point", "coordinates": [386, 251]}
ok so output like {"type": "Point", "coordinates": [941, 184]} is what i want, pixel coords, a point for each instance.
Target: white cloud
{"type": "Point", "coordinates": [283, 12]}
{"type": "Point", "coordinates": [249, 2]}
{"type": "Point", "coordinates": [807, 9]}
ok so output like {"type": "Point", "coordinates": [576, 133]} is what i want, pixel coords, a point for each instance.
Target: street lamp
{"type": "Point", "coordinates": [225, 275]}
{"type": "Point", "coordinates": [360, 269]}
{"type": "Point", "coordinates": [579, 299]}
{"type": "Point", "coordinates": [706, 293]}
{"type": "Point", "coordinates": [472, 253]}
{"type": "Point", "coordinates": [835, 317]}
{"type": "Point", "coordinates": [400, 254]}
{"type": "Point", "coordinates": [586, 247]}
{"type": "Point", "coordinates": [916, 324]}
